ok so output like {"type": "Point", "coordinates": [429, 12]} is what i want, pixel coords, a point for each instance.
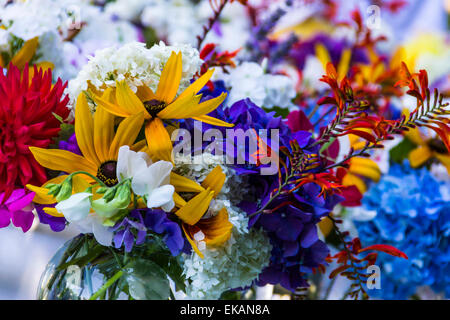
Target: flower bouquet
{"type": "Point", "coordinates": [198, 171]}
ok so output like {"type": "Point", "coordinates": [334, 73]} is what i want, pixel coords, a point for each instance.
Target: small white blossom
{"type": "Point", "coordinates": [135, 64]}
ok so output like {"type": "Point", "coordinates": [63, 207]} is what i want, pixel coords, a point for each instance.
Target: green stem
{"type": "Point", "coordinates": [88, 174]}
{"type": "Point", "coordinates": [109, 283]}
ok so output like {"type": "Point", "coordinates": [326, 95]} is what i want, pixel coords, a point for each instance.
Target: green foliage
{"type": "Point", "coordinates": [401, 151]}
{"type": "Point", "coordinates": [283, 112]}
{"type": "Point", "coordinates": [146, 280]}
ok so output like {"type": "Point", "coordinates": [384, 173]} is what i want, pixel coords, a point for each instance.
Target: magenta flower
{"type": "Point", "coordinates": [18, 208]}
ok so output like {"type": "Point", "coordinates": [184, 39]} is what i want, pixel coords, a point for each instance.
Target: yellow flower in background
{"type": "Point", "coordinates": [305, 29]}
{"type": "Point", "coordinates": [162, 105]}
{"type": "Point", "coordinates": [359, 169]}
{"type": "Point", "coordinates": [24, 56]}
{"type": "Point", "coordinates": [427, 148]}
{"type": "Point", "coordinates": [344, 63]}
{"type": "Point", "coordinates": [210, 231]}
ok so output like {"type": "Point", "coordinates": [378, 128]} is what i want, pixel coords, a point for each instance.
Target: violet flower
{"type": "Point", "coordinates": [18, 209]}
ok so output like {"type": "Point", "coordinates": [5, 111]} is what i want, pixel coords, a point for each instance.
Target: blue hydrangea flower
{"type": "Point", "coordinates": [413, 214]}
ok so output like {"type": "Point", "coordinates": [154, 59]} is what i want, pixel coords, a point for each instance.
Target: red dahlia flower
{"type": "Point", "coordinates": [27, 108]}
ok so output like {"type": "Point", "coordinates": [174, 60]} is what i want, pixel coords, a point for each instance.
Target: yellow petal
{"type": "Point", "coordinates": [179, 201]}
{"type": "Point", "coordinates": [206, 106]}
{"type": "Point", "coordinates": [103, 133]}
{"type": "Point", "coordinates": [26, 53]}
{"type": "Point", "coordinates": [62, 160]}
{"type": "Point", "coordinates": [196, 110]}
{"type": "Point", "coordinates": [217, 229]}
{"type": "Point", "coordinates": [84, 129]}
{"type": "Point", "coordinates": [177, 109]}
{"type": "Point", "coordinates": [325, 226]}
{"type": "Point", "coordinates": [419, 156]}
{"type": "Point", "coordinates": [344, 63]}
{"type": "Point", "coordinates": [213, 121]}
{"type": "Point", "coordinates": [144, 93]}
{"type": "Point", "coordinates": [322, 54]}
{"type": "Point", "coordinates": [365, 167]}
{"type": "Point", "coordinates": [158, 140]}
{"type": "Point", "coordinates": [414, 136]}
{"type": "Point", "coordinates": [214, 180]}
{"type": "Point", "coordinates": [195, 208]}
{"type": "Point", "coordinates": [352, 180]}
{"type": "Point", "coordinates": [183, 184]}
{"type": "Point", "coordinates": [191, 241]}
{"type": "Point", "coordinates": [170, 78]}
{"type": "Point", "coordinates": [366, 172]}
{"type": "Point", "coordinates": [106, 102]}
{"type": "Point", "coordinates": [127, 99]}
{"type": "Point", "coordinates": [139, 146]}
{"type": "Point", "coordinates": [80, 184]}
{"type": "Point", "coordinates": [126, 134]}
{"type": "Point", "coordinates": [197, 85]}
{"type": "Point", "coordinates": [53, 212]}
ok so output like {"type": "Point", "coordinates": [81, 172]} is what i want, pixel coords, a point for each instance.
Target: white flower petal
{"type": "Point", "coordinates": [75, 208]}
{"type": "Point", "coordinates": [140, 181]}
{"type": "Point", "coordinates": [160, 173]}
{"type": "Point", "coordinates": [102, 234]}
{"type": "Point", "coordinates": [129, 163]}
{"type": "Point", "coordinates": [160, 196]}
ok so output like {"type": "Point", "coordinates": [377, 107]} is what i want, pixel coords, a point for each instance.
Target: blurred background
{"type": "Point", "coordinates": [23, 257]}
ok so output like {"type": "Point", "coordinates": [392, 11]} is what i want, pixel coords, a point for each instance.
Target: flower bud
{"type": "Point", "coordinates": [123, 195]}
{"type": "Point", "coordinates": [109, 194]}
{"type": "Point", "coordinates": [53, 189]}
{"type": "Point", "coordinates": [65, 191]}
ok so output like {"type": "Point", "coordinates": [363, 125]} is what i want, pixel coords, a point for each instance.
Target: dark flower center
{"type": "Point", "coordinates": [437, 145]}
{"type": "Point", "coordinates": [154, 106]}
{"type": "Point", "coordinates": [107, 173]}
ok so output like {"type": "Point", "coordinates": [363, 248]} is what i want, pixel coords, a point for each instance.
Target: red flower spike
{"type": "Point", "coordinates": [393, 251]}
{"type": "Point", "coordinates": [27, 108]}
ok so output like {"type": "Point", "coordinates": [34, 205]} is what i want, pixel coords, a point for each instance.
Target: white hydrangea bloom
{"type": "Point", "coordinates": [235, 264]}
{"type": "Point", "coordinates": [98, 30]}
{"type": "Point", "coordinates": [135, 64]}
{"type": "Point", "coordinates": [248, 80]}
{"type": "Point", "coordinates": [30, 19]}
{"type": "Point", "coordinates": [186, 19]}
{"type": "Point", "coordinates": [182, 25]}
{"type": "Point", "coordinates": [127, 9]}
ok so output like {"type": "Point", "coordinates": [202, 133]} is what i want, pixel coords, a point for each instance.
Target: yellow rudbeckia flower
{"type": "Point", "coordinates": [162, 105]}
{"type": "Point", "coordinates": [98, 143]}
{"type": "Point", "coordinates": [216, 230]}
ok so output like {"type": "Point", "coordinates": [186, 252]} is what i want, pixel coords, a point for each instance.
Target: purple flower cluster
{"type": "Point", "coordinates": [293, 234]}
{"type": "Point", "coordinates": [292, 227]}
{"type": "Point", "coordinates": [133, 230]}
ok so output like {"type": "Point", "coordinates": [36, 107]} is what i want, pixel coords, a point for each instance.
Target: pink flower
{"type": "Point", "coordinates": [18, 208]}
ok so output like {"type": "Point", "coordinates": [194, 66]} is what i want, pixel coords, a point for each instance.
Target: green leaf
{"type": "Point", "coordinates": [283, 112]}
{"type": "Point", "coordinates": [401, 151]}
{"type": "Point", "coordinates": [64, 134]}
{"type": "Point", "coordinates": [146, 280]}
